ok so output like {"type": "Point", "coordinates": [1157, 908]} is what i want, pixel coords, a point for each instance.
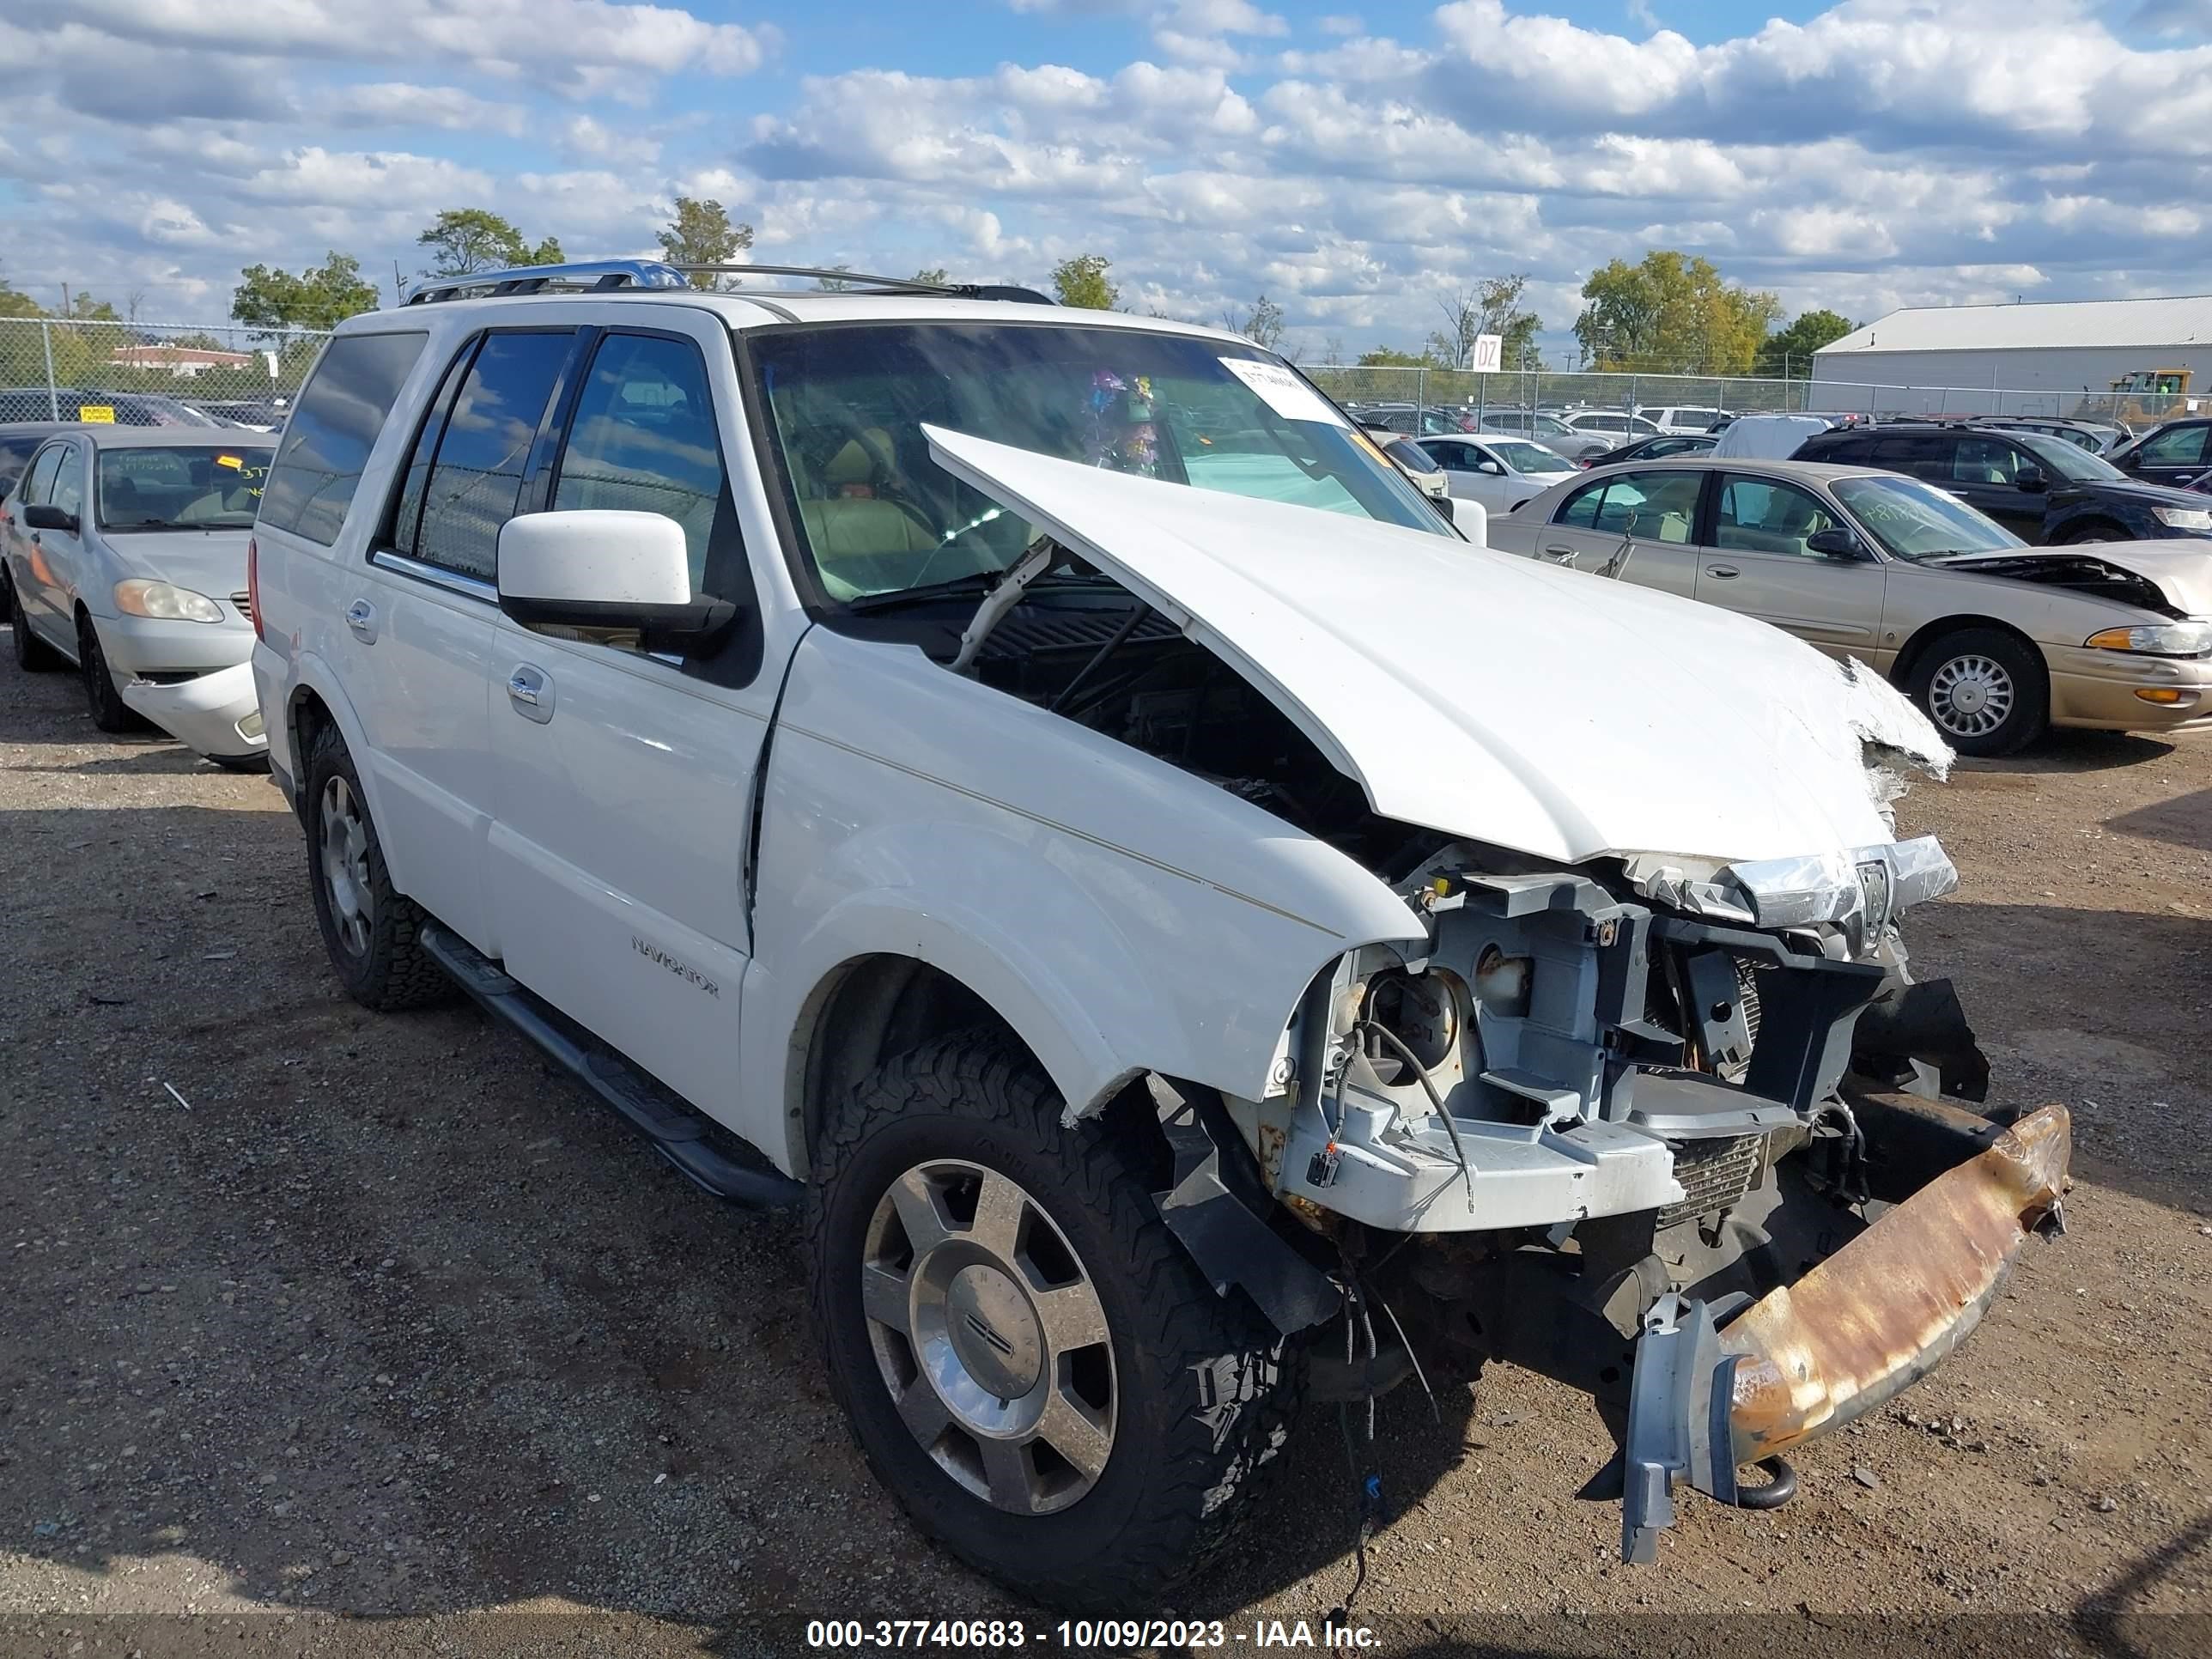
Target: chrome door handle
{"type": "Point", "coordinates": [531, 693]}
{"type": "Point", "coordinates": [1722, 571]}
{"type": "Point", "coordinates": [1561, 555]}
{"type": "Point", "coordinates": [361, 617]}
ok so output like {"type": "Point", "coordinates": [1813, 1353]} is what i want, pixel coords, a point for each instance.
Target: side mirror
{"type": "Point", "coordinates": [1835, 542]}
{"type": "Point", "coordinates": [2032, 479]}
{"type": "Point", "coordinates": [46, 516]}
{"type": "Point", "coordinates": [1491, 467]}
{"type": "Point", "coordinates": [604, 570]}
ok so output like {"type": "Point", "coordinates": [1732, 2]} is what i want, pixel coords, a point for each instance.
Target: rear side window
{"type": "Point", "coordinates": [643, 440]}
{"type": "Point", "coordinates": [1655, 506]}
{"type": "Point", "coordinates": [332, 429]}
{"type": "Point", "coordinates": [476, 478]}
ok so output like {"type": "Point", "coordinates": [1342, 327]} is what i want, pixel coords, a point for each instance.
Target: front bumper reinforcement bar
{"type": "Point", "coordinates": [1868, 1323]}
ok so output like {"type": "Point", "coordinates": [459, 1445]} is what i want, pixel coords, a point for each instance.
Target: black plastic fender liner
{"type": "Point", "coordinates": [1231, 1243]}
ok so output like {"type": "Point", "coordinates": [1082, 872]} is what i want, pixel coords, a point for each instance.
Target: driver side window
{"type": "Point", "coordinates": [643, 440]}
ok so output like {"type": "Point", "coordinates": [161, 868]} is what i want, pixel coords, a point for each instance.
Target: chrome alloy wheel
{"type": "Point", "coordinates": [990, 1336]}
{"type": "Point", "coordinates": [1971, 696]}
{"type": "Point", "coordinates": [344, 839]}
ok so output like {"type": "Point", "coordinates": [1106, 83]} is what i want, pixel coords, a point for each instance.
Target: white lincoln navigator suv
{"type": "Point", "coordinates": [1037, 788]}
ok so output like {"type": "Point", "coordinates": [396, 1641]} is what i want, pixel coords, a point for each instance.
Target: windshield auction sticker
{"type": "Point", "coordinates": [1282, 391]}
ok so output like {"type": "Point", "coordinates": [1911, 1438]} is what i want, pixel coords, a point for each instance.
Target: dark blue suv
{"type": "Point", "coordinates": [2042, 488]}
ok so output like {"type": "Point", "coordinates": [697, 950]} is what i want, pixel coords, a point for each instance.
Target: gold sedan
{"type": "Point", "coordinates": [1997, 641]}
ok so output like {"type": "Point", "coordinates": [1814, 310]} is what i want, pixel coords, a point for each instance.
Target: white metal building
{"type": "Point", "coordinates": [2039, 358]}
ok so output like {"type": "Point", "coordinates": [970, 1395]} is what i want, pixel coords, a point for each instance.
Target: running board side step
{"type": "Point", "coordinates": [677, 1132]}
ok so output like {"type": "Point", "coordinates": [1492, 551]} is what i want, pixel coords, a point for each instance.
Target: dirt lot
{"type": "Point", "coordinates": [392, 1324]}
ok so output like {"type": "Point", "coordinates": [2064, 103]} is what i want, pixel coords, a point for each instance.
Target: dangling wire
{"type": "Point", "coordinates": [1435, 1100]}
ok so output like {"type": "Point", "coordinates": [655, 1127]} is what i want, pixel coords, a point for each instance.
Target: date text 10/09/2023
{"type": "Point", "coordinates": [1115, 1635]}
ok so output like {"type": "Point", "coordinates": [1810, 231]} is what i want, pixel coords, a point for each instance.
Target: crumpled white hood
{"type": "Point", "coordinates": [1536, 708]}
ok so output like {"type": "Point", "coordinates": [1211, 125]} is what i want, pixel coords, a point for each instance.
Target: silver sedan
{"type": "Point", "coordinates": [123, 549]}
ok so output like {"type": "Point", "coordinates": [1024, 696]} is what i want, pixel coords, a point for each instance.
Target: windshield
{"type": "Point", "coordinates": [847, 404]}
{"type": "Point", "coordinates": [2069, 461]}
{"type": "Point", "coordinates": [182, 486]}
{"type": "Point", "coordinates": [1913, 520]}
{"type": "Point", "coordinates": [1529, 458]}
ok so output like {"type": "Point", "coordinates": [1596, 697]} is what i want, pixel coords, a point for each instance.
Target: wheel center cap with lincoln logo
{"type": "Point", "coordinates": [994, 1331]}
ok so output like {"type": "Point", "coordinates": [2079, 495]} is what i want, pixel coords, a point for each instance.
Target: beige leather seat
{"type": "Point", "coordinates": [846, 519]}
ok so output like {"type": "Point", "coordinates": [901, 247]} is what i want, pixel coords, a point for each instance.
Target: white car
{"type": "Point", "coordinates": [1610, 425]}
{"type": "Point", "coordinates": [1499, 472]}
{"type": "Point", "coordinates": [1034, 787]}
{"type": "Point", "coordinates": [1683, 418]}
{"type": "Point", "coordinates": [123, 552]}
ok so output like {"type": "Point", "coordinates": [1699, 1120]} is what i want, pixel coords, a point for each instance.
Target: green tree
{"type": "Point", "coordinates": [1081, 281]}
{"type": "Point", "coordinates": [833, 284]}
{"type": "Point", "coordinates": [13, 302]}
{"type": "Point", "coordinates": [1391, 357]}
{"type": "Point", "coordinates": [1491, 306]}
{"type": "Point", "coordinates": [464, 240]}
{"type": "Point", "coordinates": [1790, 352]}
{"type": "Point", "coordinates": [321, 296]}
{"type": "Point", "coordinates": [1671, 314]}
{"type": "Point", "coordinates": [932, 276]}
{"type": "Point", "coordinates": [1263, 325]}
{"type": "Point", "coordinates": [83, 309]}
{"type": "Point", "coordinates": [701, 233]}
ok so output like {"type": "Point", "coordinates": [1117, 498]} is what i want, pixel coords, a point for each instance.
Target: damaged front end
{"type": "Point", "coordinates": [1642, 1127]}
{"type": "Point", "coordinates": [1633, 1118]}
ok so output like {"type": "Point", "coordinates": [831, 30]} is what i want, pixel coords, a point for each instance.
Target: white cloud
{"type": "Point", "coordinates": [586, 138]}
{"type": "Point", "coordinates": [568, 44]}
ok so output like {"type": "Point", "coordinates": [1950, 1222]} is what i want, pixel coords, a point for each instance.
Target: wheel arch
{"type": "Point", "coordinates": [1914, 651]}
{"type": "Point", "coordinates": [313, 702]}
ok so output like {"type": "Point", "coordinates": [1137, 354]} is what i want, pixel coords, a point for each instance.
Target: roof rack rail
{"type": "Point", "coordinates": [611, 275]}
{"type": "Point", "coordinates": [592, 275]}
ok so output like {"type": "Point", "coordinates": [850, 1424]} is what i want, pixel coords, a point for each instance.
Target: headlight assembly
{"type": "Point", "coordinates": [163, 603]}
{"type": "Point", "coordinates": [2174, 639]}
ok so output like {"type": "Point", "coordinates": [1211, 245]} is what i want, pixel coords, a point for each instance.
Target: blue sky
{"type": "Point", "coordinates": [1353, 162]}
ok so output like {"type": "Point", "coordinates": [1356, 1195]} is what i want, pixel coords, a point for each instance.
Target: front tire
{"type": "Point", "coordinates": [1031, 1363]}
{"type": "Point", "coordinates": [370, 929]}
{"type": "Point", "coordinates": [1987, 692]}
{"type": "Point", "coordinates": [109, 712]}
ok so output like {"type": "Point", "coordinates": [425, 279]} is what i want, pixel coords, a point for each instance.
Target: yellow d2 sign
{"type": "Point", "coordinates": [96, 414]}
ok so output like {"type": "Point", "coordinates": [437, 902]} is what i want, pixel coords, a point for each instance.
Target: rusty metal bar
{"type": "Point", "coordinates": [1884, 1311]}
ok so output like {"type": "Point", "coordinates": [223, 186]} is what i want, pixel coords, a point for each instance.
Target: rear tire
{"type": "Point", "coordinates": [32, 654]}
{"type": "Point", "coordinates": [371, 930]}
{"type": "Point", "coordinates": [1186, 1392]}
{"type": "Point", "coordinates": [1987, 692]}
{"type": "Point", "coordinates": [109, 712]}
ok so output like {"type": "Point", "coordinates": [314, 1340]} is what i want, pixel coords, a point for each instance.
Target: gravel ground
{"type": "Point", "coordinates": [383, 1333]}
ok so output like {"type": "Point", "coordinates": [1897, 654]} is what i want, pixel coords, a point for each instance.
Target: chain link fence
{"type": "Point", "coordinates": [1468, 393]}
{"type": "Point", "coordinates": [150, 373]}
